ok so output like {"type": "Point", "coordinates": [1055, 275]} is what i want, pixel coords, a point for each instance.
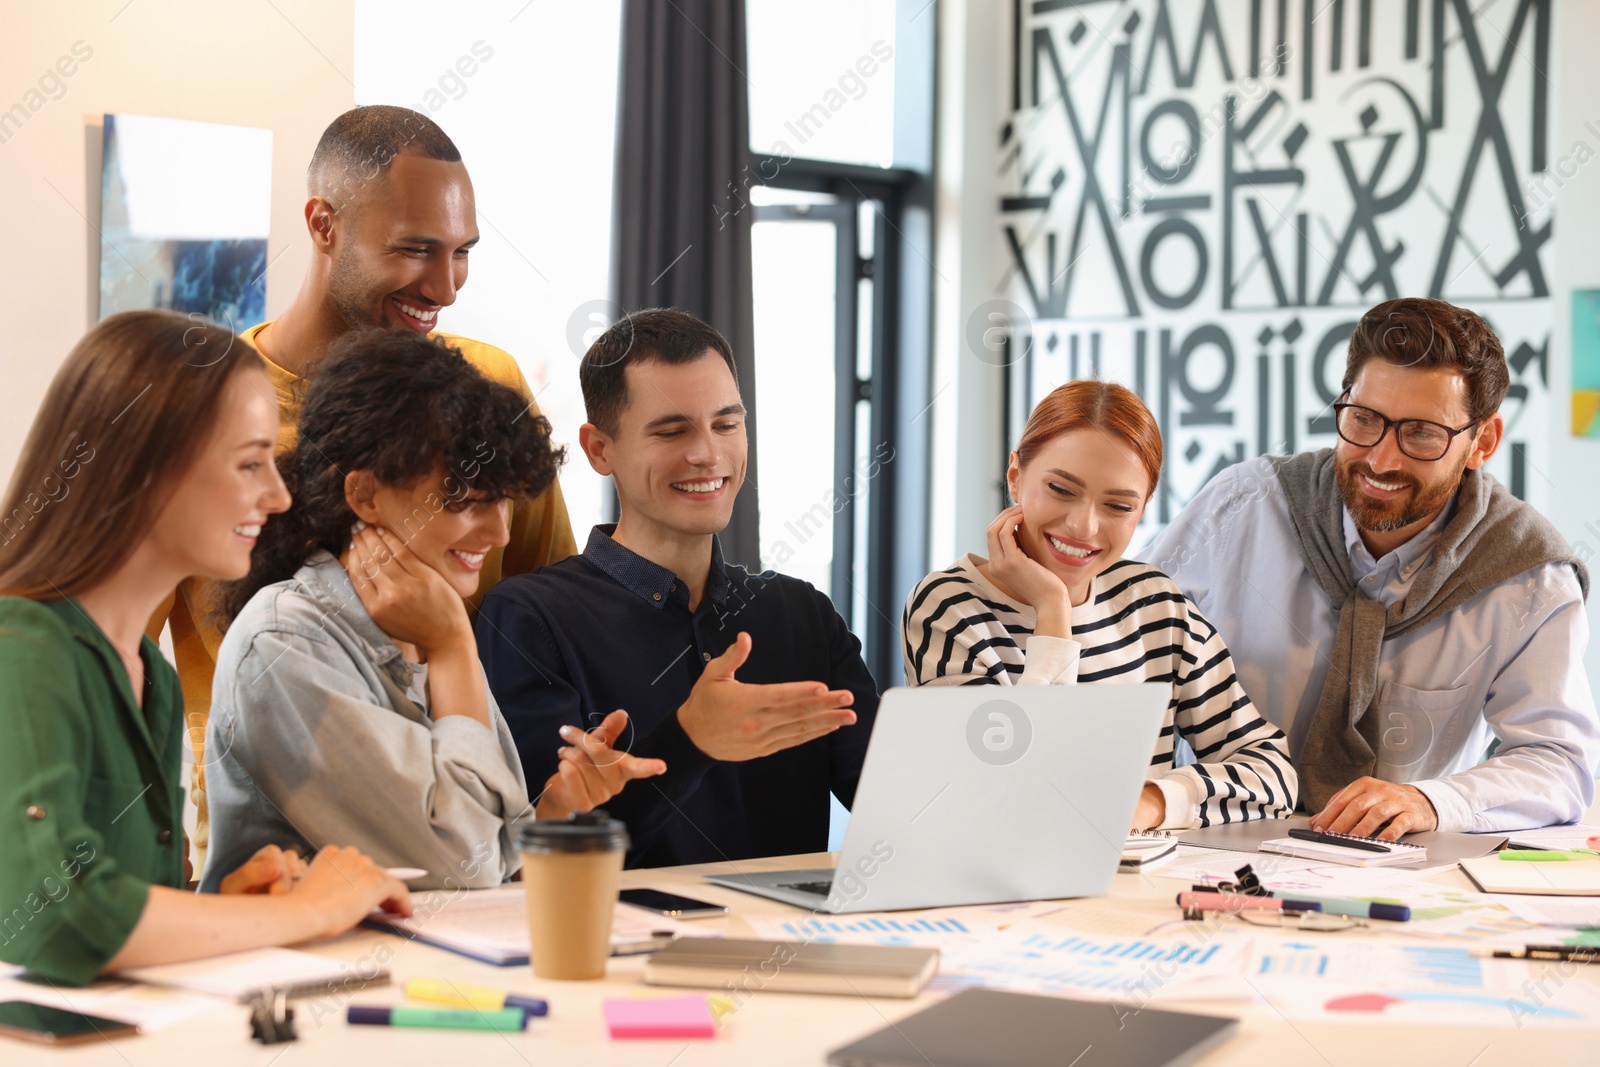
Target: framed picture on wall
{"type": "Point", "coordinates": [184, 213]}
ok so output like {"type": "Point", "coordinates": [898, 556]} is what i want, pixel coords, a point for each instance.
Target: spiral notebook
{"type": "Point", "coordinates": [1142, 846]}
{"type": "Point", "coordinates": [1360, 852]}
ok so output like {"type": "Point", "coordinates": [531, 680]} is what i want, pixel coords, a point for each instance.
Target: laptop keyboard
{"type": "Point", "coordinates": [821, 889]}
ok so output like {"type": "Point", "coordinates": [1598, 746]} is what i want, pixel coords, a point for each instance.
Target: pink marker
{"type": "Point", "coordinates": [1199, 901]}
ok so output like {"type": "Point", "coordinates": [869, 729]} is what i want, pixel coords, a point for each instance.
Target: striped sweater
{"type": "Point", "coordinates": [1136, 626]}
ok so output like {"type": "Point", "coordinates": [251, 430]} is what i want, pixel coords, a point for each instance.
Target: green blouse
{"type": "Point", "coordinates": [91, 805]}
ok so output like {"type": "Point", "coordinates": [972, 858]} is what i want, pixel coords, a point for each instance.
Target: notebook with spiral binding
{"type": "Point", "coordinates": [1142, 846]}
{"type": "Point", "coordinates": [1348, 849]}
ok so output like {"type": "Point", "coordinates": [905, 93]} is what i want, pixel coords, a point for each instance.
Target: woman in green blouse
{"type": "Point", "coordinates": [150, 461]}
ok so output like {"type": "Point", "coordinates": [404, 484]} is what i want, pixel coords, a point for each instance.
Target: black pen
{"type": "Point", "coordinates": [1564, 953]}
{"type": "Point", "coordinates": [1333, 839]}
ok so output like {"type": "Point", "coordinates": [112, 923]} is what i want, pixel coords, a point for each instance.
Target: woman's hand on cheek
{"type": "Point", "coordinates": [1018, 571]}
{"type": "Point", "coordinates": [410, 600]}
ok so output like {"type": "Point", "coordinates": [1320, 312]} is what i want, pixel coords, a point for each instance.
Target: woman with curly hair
{"type": "Point", "coordinates": [349, 704]}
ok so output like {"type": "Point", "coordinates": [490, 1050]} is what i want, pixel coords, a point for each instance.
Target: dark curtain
{"type": "Point", "coordinates": [681, 228]}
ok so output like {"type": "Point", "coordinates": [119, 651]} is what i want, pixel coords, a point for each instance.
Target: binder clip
{"type": "Point", "coordinates": [271, 1018]}
{"type": "Point", "coordinates": [1246, 884]}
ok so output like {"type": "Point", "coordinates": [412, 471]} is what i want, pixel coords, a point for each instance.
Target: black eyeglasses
{"type": "Point", "coordinates": [1417, 438]}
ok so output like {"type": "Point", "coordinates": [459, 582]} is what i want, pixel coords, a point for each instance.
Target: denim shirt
{"type": "Point", "coordinates": [317, 737]}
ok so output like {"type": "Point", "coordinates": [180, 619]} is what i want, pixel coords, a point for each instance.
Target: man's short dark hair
{"type": "Point", "coordinates": [663, 334]}
{"type": "Point", "coordinates": [359, 146]}
{"type": "Point", "coordinates": [1415, 331]}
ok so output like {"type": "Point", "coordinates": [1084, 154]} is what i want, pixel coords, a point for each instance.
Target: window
{"type": "Point", "coordinates": [822, 79]}
{"type": "Point", "coordinates": [795, 247]}
{"type": "Point", "coordinates": [539, 285]}
{"type": "Point", "coordinates": [842, 282]}
{"type": "Point", "coordinates": [827, 424]}
{"type": "Point", "coordinates": [813, 319]}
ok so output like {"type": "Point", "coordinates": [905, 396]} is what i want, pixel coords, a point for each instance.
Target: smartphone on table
{"type": "Point", "coordinates": [671, 905]}
{"type": "Point", "coordinates": [55, 1026]}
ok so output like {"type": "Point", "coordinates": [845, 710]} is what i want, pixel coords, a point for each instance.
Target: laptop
{"type": "Point", "coordinates": [990, 1028]}
{"type": "Point", "coordinates": [981, 794]}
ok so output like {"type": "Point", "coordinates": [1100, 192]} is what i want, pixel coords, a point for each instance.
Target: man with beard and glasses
{"type": "Point", "coordinates": [392, 217]}
{"type": "Point", "coordinates": [1393, 608]}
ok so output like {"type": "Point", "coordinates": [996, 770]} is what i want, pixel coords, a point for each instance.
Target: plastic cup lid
{"type": "Point", "coordinates": [590, 831]}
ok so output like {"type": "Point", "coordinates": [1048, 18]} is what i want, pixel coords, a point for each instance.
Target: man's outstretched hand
{"type": "Point", "coordinates": [592, 770]}
{"type": "Point", "coordinates": [735, 721]}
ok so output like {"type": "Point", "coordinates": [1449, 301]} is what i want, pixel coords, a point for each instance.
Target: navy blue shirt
{"type": "Point", "coordinates": [608, 629]}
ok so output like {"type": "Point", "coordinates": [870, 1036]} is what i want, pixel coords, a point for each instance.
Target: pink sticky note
{"type": "Point", "coordinates": [659, 1017]}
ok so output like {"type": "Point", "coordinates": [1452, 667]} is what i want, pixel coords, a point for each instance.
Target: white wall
{"type": "Point", "coordinates": [535, 123]}
{"type": "Point", "coordinates": [968, 391]}
{"type": "Point", "coordinates": [1575, 462]}
{"type": "Point", "coordinates": [286, 68]}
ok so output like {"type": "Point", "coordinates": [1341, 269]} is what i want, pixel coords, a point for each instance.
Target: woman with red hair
{"type": "Point", "coordinates": [1055, 603]}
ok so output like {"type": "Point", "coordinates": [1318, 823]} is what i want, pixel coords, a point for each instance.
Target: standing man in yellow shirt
{"type": "Point", "coordinates": [391, 216]}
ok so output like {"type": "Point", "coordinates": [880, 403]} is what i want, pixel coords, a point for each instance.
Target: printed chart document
{"type": "Point", "coordinates": [1352, 981]}
{"type": "Point", "coordinates": [1192, 863]}
{"type": "Point", "coordinates": [1063, 948]}
{"type": "Point", "coordinates": [240, 975]}
{"type": "Point", "coordinates": [943, 928]}
{"type": "Point", "coordinates": [491, 925]}
{"type": "Point", "coordinates": [1573, 835]}
{"type": "Point", "coordinates": [150, 1008]}
{"type": "Point", "coordinates": [1552, 911]}
{"type": "Point", "coordinates": [1422, 971]}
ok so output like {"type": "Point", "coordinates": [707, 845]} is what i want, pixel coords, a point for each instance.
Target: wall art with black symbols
{"type": "Point", "coordinates": [1201, 197]}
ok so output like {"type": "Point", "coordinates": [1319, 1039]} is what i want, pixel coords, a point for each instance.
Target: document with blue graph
{"type": "Point", "coordinates": [1359, 981]}
{"type": "Point", "coordinates": [1424, 971]}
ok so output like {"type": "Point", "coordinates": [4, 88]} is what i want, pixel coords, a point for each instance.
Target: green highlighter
{"type": "Point", "coordinates": [1552, 855]}
{"type": "Point", "coordinates": [438, 1018]}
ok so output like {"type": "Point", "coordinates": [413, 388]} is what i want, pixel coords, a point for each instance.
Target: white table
{"type": "Point", "coordinates": [768, 1029]}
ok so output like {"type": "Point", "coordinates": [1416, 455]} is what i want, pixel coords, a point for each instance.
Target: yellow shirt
{"type": "Point", "coordinates": [541, 533]}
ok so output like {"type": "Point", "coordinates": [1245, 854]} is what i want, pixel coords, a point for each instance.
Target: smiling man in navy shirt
{"type": "Point", "coordinates": [749, 686]}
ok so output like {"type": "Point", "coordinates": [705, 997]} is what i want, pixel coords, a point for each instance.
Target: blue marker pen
{"type": "Point", "coordinates": [1361, 909]}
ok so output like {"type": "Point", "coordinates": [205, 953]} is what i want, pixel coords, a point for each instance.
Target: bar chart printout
{"type": "Point", "coordinates": [869, 930]}
{"type": "Point", "coordinates": [1095, 966]}
{"type": "Point", "coordinates": [1422, 967]}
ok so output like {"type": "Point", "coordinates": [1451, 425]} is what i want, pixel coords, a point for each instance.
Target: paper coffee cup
{"type": "Point", "coordinates": [572, 868]}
